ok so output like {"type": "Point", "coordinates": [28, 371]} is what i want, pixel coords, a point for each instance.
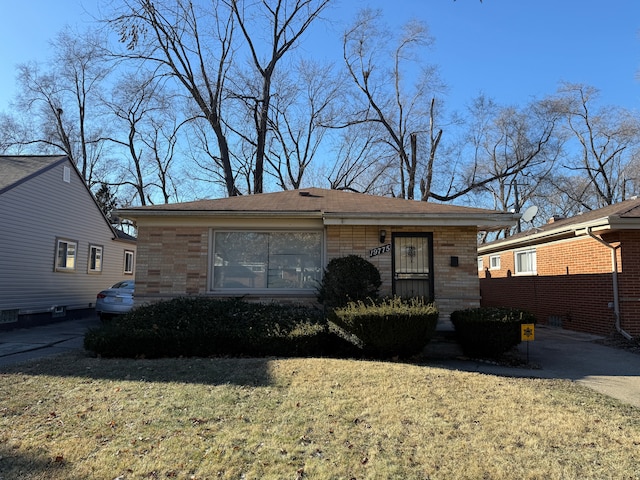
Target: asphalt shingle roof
{"type": "Point", "coordinates": [315, 200]}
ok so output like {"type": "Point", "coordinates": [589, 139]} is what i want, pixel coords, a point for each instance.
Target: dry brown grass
{"type": "Point", "coordinates": [83, 418]}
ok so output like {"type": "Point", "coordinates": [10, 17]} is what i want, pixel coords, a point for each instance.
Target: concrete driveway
{"type": "Point", "coordinates": [556, 353]}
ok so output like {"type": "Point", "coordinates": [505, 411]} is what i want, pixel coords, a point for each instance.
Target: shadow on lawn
{"type": "Point", "coordinates": [18, 465]}
{"type": "Point", "coordinates": [209, 371]}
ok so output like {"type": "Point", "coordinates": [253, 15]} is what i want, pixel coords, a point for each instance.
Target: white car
{"type": "Point", "coordinates": [116, 300]}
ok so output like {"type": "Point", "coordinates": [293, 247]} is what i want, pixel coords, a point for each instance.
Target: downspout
{"type": "Point", "coordinates": [614, 268]}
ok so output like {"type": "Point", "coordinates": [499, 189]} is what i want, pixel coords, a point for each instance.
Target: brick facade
{"type": "Point", "coordinates": [573, 286]}
{"type": "Point", "coordinates": [174, 261]}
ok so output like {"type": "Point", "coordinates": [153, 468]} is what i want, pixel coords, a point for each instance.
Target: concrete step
{"type": "Point", "coordinates": [443, 346]}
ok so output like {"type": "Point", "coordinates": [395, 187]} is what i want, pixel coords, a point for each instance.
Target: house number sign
{"type": "Point", "coordinates": [374, 252]}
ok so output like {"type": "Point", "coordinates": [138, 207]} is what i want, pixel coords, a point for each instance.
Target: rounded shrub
{"type": "Point", "coordinates": [348, 279]}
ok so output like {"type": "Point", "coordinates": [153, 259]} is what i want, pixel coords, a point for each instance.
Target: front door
{"type": "Point", "coordinates": [413, 265]}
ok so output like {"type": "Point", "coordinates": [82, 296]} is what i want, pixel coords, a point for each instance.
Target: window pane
{"type": "Point", "coordinates": [95, 259]}
{"type": "Point", "coordinates": [128, 262]}
{"type": "Point", "coordinates": [526, 262]}
{"type": "Point", "coordinates": [66, 255]}
{"type": "Point", "coordinates": [240, 260]}
{"type": "Point", "coordinates": [294, 260]}
{"type": "Point", "coordinates": [62, 255]}
{"type": "Point", "coordinates": [267, 260]}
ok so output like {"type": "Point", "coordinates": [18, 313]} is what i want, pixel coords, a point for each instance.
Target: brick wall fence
{"type": "Point", "coordinates": [573, 286]}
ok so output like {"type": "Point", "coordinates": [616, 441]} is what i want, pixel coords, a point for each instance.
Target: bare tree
{"type": "Point", "coordinates": [299, 119]}
{"type": "Point", "coordinates": [286, 21]}
{"type": "Point", "coordinates": [398, 110]}
{"type": "Point", "coordinates": [607, 141]}
{"type": "Point", "coordinates": [147, 133]}
{"type": "Point", "coordinates": [64, 100]}
{"type": "Point", "coordinates": [193, 46]}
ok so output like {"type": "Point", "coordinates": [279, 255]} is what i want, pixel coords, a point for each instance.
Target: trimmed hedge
{"type": "Point", "coordinates": [203, 327]}
{"type": "Point", "coordinates": [489, 331]}
{"type": "Point", "coordinates": [389, 328]}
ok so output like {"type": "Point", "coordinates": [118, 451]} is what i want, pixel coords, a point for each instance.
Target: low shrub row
{"type": "Point", "coordinates": [202, 327]}
{"type": "Point", "coordinates": [489, 331]}
{"type": "Point", "coordinates": [388, 328]}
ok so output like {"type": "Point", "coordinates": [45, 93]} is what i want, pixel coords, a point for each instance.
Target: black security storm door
{"type": "Point", "coordinates": [413, 265]}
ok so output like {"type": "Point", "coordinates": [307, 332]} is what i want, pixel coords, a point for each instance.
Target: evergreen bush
{"type": "Point", "coordinates": [388, 328]}
{"type": "Point", "coordinates": [199, 326]}
{"type": "Point", "coordinates": [348, 279]}
{"type": "Point", "coordinates": [489, 331]}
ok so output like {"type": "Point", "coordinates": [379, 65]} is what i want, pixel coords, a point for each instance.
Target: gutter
{"type": "Point", "coordinates": [614, 268]}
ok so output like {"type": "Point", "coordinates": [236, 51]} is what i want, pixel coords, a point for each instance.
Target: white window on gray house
{"type": "Point", "coordinates": [266, 260]}
{"type": "Point", "coordinates": [66, 255]}
{"type": "Point", "coordinates": [95, 259]}
{"type": "Point", "coordinates": [526, 262]}
{"type": "Point", "coordinates": [494, 262]}
{"type": "Point", "coordinates": [128, 262]}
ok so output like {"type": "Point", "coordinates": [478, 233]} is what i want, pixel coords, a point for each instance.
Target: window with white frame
{"type": "Point", "coordinates": [65, 255]}
{"type": "Point", "coordinates": [526, 262]}
{"type": "Point", "coordinates": [128, 262]}
{"type": "Point", "coordinates": [95, 259]}
{"type": "Point", "coordinates": [266, 260]}
{"type": "Point", "coordinates": [480, 264]}
{"type": "Point", "coordinates": [494, 262]}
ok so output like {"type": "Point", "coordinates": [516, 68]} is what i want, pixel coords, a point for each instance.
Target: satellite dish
{"type": "Point", "coordinates": [529, 213]}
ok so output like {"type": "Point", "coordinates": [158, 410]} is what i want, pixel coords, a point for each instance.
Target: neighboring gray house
{"type": "Point", "coordinates": [57, 249]}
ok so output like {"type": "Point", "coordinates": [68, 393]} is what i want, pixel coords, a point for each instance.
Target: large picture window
{"type": "Point", "coordinates": [266, 260]}
{"type": "Point", "coordinates": [66, 255]}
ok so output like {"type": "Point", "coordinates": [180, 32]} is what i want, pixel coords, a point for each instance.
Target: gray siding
{"type": "Point", "coordinates": [32, 216]}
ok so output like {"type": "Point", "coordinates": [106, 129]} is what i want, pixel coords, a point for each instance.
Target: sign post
{"type": "Point", "coordinates": [527, 334]}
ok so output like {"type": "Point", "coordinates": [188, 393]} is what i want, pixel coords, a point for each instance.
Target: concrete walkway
{"type": "Point", "coordinates": [556, 353]}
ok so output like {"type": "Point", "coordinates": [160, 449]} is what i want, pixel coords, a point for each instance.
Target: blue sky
{"type": "Point", "coordinates": [511, 50]}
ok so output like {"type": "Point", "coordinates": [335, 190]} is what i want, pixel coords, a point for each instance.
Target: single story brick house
{"type": "Point", "coordinates": [581, 273]}
{"type": "Point", "coordinates": [275, 246]}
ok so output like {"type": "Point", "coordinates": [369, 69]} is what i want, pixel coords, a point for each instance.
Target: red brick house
{"type": "Point", "coordinates": [275, 246]}
{"type": "Point", "coordinates": [580, 273]}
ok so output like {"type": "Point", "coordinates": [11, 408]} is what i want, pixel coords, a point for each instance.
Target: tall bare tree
{"type": "Point", "coordinates": [606, 142]}
{"type": "Point", "coordinates": [379, 63]}
{"type": "Point", "coordinates": [286, 21]}
{"type": "Point", "coordinates": [193, 46]}
{"type": "Point", "coordinates": [64, 100]}
{"type": "Point", "coordinates": [147, 133]}
{"type": "Point", "coordinates": [301, 113]}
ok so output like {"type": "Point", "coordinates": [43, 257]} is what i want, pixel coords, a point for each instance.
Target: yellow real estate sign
{"type": "Point", "coordinates": [527, 332]}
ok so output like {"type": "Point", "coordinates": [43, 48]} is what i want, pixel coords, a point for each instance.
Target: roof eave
{"type": "Point", "coordinates": [609, 223]}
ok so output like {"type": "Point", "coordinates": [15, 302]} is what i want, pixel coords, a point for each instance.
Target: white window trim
{"type": "Point", "coordinates": [67, 242]}
{"type": "Point", "coordinates": [261, 291]}
{"type": "Point", "coordinates": [129, 269]}
{"type": "Point", "coordinates": [97, 248]}
{"type": "Point", "coordinates": [480, 264]}
{"type": "Point", "coordinates": [530, 251]}
{"type": "Point", "coordinates": [491, 262]}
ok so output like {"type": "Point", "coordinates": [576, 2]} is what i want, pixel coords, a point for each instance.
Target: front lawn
{"type": "Point", "coordinates": [75, 418]}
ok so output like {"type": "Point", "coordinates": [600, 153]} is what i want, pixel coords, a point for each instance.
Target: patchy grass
{"type": "Point", "coordinates": [76, 418]}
